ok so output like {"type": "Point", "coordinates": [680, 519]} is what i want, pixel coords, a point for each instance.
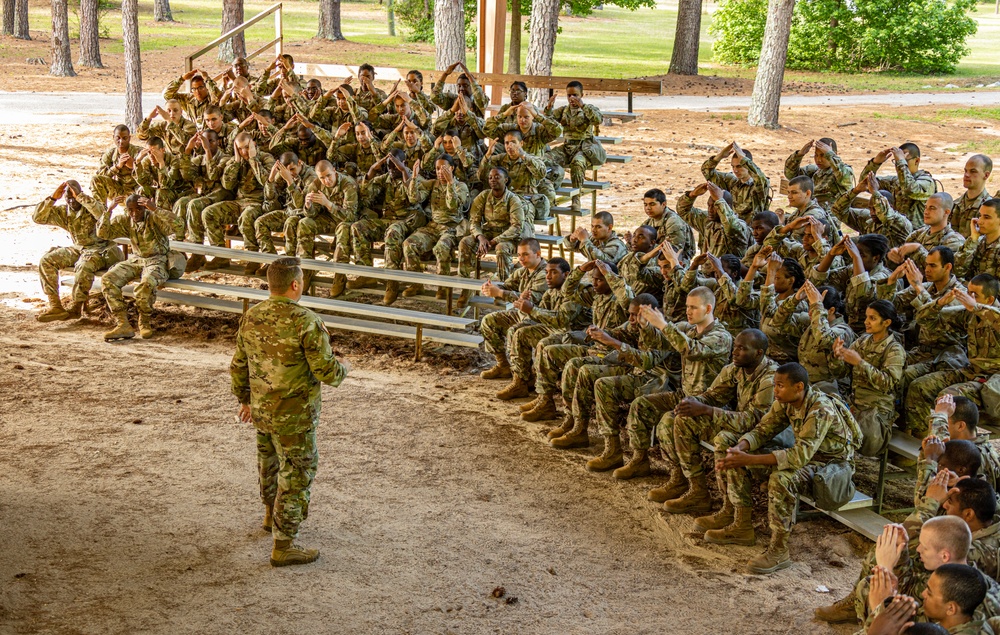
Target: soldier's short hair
{"type": "Point", "coordinates": [288, 58]}
{"type": "Point", "coordinates": [213, 109]}
{"type": "Point", "coordinates": [966, 411]}
{"type": "Point", "coordinates": [502, 170]}
{"type": "Point", "coordinates": [964, 453]}
{"type": "Point", "coordinates": [447, 158]}
{"type": "Point", "coordinates": [197, 79]}
{"type": "Point", "coordinates": [243, 137]}
{"type": "Point", "coordinates": [704, 294]}
{"type": "Point", "coordinates": [74, 185]}
{"type": "Point", "coordinates": [315, 81]}
{"type": "Point", "coordinates": [727, 196]}
{"type": "Point", "coordinates": [521, 84]}
{"type": "Point", "coordinates": [795, 372]}
{"type": "Point", "coordinates": [347, 88]}
{"type": "Point", "coordinates": [830, 142]}
{"type": "Point", "coordinates": [562, 263]}
{"type": "Point", "coordinates": [645, 299]}
{"type": "Point", "coordinates": [514, 133]}
{"type": "Point", "coordinates": [155, 142]}
{"type": "Point", "coordinates": [803, 182]}
{"type": "Point", "coordinates": [532, 244]}
{"type": "Point", "coordinates": [289, 158]}
{"type": "Point", "coordinates": [962, 584]}
{"type": "Point", "coordinates": [978, 495]}
{"type": "Point", "coordinates": [323, 164]}
{"type": "Point", "coordinates": [265, 113]}
{"type": "Point", "coordinates": [282, 272]}
{"type": "Point", "coordinates": [419, 75]}
{"type": "Point", "coordinates": [889, 197]}
{"type": "Point", "coordinates": [767, 217]}
{"type": "Point", "coordinates": [985, 160]}
{"type": "Point", "coordinates": [946, 255]}
{"type": "Point", "coordinates": [649, 230]}
{"type": "Point", "coordinates": [876, 244]}
{"type": "Point", "coordinates": [606, 218]}
{"type": "Point", "coordinates": [833, 299]}
{"type": "Point", "coordinates": [990, 285]}
{"type": "Point", "coordinates": [757, 338]}
{"type": "Point", "coordinates": [992, 203]}
{"type": "Point", "coordinates": [912, 148]}
{"type": "Point", "coordinates": [367, 67]}
{"type": "Point", "coordinates": [132, 201]}
{"type": "Point", "coordinates": [946, 200]}
{"type": "Point", "coordinates": [172, 101]}
{"type": "Point", "coordinates": [747, 154]}
{"type": "Point", "coordinates": [731, 264]}
{"type": "Point", "coordinates": [208, 131]}
{"type": "Point", "coordinates": [656, 194]}
{"type": "Point", "coordinates": [951, 533]}
{"type": "Point", "coordinates": [119, 128]}
{"type": "Point", "coordinates": [575, 84]}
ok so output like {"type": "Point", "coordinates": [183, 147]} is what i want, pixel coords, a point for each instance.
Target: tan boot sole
{"type": "Point", "coordinates": [566, 442]}
{"type": "Point", "coordinates": [784, 564]}
{"type": "Point", "coordinates": [599, 464]}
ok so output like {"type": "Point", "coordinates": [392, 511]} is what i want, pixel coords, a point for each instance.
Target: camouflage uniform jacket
{"type": "Point", "coordinates": [740, 398]}
{"type": "Point", "coordinates": [643, 278]}
{"type": "Point", "coordinates": [149, 237]}
{"type": "Point", "coordinates": [830, 183]}
{"type": "Point", "coordinates": [525, 172]}
{"type": "Point", "coordinates": [882, 220]}
{"type": "Point", "coordinates": [876, 380]}
{"type": "Point", "coordinates": [672, 227]}
{"type": "Point", "coordinates": [612, 249]}
{"type": "Point", "coordinates": [814, 333]}
{"type": "Point", "coordinates": [331, 117]}
{"type": "Point", "coordinates": [175, 135]}
{"type": "Point", "coordinates": [784, 345]}
{"type": "Point", "coordinates": [384, 116]}
{"type": "Point", "coordinates": [109, 167]}
{"type": "Point", "coordinates": [447, 200]}
{"type": "Point", "coordinates": [981, 325]}
{"type": "Point", "coordinates": [791, 248]}
{"type": "Point", "coordinates": [445, 99]}
{"type": "Point", "coordinates": [343, 195]}
{"type": "Point", "coordinates": [607, 310]}
{"type": "Point", "coordinates": [928, 240]}
{"type": "Point", "coordinates": [734, 316]}
{"type": "Point", "coordinates": [346, 150]}
{"type": "Point", "coordinates": [472, 131]}
{"type": "Point", "coordinates": [280, 195]}
{"type": "Point", "coordinates": [730, 235]}
{"type": "Point", "coordinates": [749, 197]}
{"type": "Point", "coordinates": [649, 358]}
{"type": "Point", "coordinates": [204, 174]}
{"type": "Point", "coordinates": [859, 291]}
{"type": "Point", "coordinates": [909, 190]}
{"type": "Point", "coordinates": [813, 209]}
{"type": "Point", "coordinates": [522, 278]}
{"type": "Point", "coordinates": [497, 219]}
{"type": "Point", "coordinates": [702, 354]}
{"type": "Point", "coordinates": [578, 124]}
{"type": "Point", "coordinates": [282, 357]}
{"type": "Point", "coordinates": [194, 109]}
{"type": "Point", "coordinates": [910, 299]}
{"type": "Point", "coordinates": [989, 467]}
{"type": "Point", "coordinates": [391, 192]}
{"type": "Point", "coordinates": [394, 141]}
{"type": "Point", "coordinates": [978, 256]}
{"type": "Point", "coordinates": [536, 141]}
{"type": "Point", "coordinates": [558, 310]}
{"type": "Point", "coordinates": [367, 99]}
{"type": "Point", "coordinates": [81, 225]}
{"type": "Point", "coordinates": [154, 177]}
{"type": "Point", "coordinates": [825, 431]}
{"type": "Point", "coordinates": [966, 208]}
{"type": "Point", "coordinates": [246, 178]}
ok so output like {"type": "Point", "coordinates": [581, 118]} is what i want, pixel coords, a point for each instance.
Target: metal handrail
{"type": "Point", "coordinates": [277, 41]}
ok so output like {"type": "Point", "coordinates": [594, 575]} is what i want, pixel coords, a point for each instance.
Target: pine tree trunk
{"type": "Point", "coordinates": [133, 64]}
{"type": "Point", "coordinates": [390, 16]}
{"type": "Point", "coordinates": [449, 33]}
{"type": "Point", "coordinates": [329, 20]}
{"type": "Point", "coordinates": [514, 56]}
{"type": "Point", "coordinates": [21, 20]}
{"type": "Point", "coordinates": [161, 11]}
{"type": "Point", "coordinates": [90, 41]}
{"type": "Point", "coordinates": [684, 59]}
{"type": "Point", "coordinates": [541, 43]}
{"type": "Point", "coordinates": [8, 17]}
{"type": "Point", "coordinates": [232, 17]}
{"type": "Point", "coordinates": [62, 52]}
{"type": "Point", "coordinates": [766, 97]}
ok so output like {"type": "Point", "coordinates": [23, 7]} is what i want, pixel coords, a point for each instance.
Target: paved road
{"type": "Point", "coordinates": [73, 108]}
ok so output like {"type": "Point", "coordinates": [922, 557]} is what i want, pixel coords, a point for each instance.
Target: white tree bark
{"type": "Point", "coordinates": [329, 20]}
{"type": "Point", "coordinates": [766, 97]}
{"type": "Point", "coordinates": [542, 43]}
{"type": "Point", "coordinates": [162, 12]}
{"type": "Point", "coordinates": [133, 64]}
{"type": "Point", "coordinates": [62, 52]}
{"type": "Point", "coordinates": [90, 38]}
{"type": "Point", "coordinates": [684, 59]}
{"type": "Point", "coordinates": [449, 33]}
{"type": "Point", "coordinates": [232, 17]}
{"type": "Point", "coordinates": [21, 20]}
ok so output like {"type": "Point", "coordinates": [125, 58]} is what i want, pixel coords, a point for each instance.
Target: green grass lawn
{"type": "Point", "coordinates": [614, 42]}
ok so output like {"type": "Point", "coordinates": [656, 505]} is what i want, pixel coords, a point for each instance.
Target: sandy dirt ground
{"type": "Point", "coordinates": [129, 500]}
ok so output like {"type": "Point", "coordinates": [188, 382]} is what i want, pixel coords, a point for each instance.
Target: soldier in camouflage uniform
{"type": "Point", "coordinates": [467, 128]}
{"type": "Point", "coordinates": [299, 136]}
{"type": "Point", "coordinates": [723, 270]}
{"type": "Point", "coordinates": [331, 204]}
{"type": "Point", "coordinates": [204, 93]}
{"type": "Point", "coordinates": [397, 108]}
{"type": "Point", "coordinates": [957, 417]}
{"type": "Point", "coordinates": [203, 173]}
{"type": "Point", "coordinates": [879, 218]}
{"type": "Point", "coordinates": [601, 243]}
{"type": "Point", "coordinates": [354, 154]}
{"type": "Point", "coordinates": [977, 171]}
{"type": "Point", "coordinates": [343, 111]}
{"type": "Point", "coordinates": [367, 95]}
{"type": "Point", "coordinates": [537, 132]}
{"type": "Point", "coordinates": [639, 267]}
{"type": "Point", "coordinates": [668, 224]}
{"type": "Point", "coordinates": [782, 280]}
{"type": "Point", "coordinates": [978, 314]}
{"type": "Point", "coordinates": [746, 384]}
{"type": "Point", "coordinates": [704, 346]}
{"type": "Point", "coordinates": [526, 173]}
{"type": "Point", "coordinates": [807, 253]}
{"type": "Point", "coordinates": [527, 282]}
{"type": "Point", "coordinates": [282, 357]}
{"type": "Point", "coordinates": [800, 199]}
{"type": "Point", "coordinates": [832, 176]}
{"type": "Point", "coordinates": [414, 142]}
{"type": "Point", "coordinates": [226, 130]}
{"type": "Point", "coordinates": [580, 150]}
{"type": "Point", "coordinates": [911, 187]}
{"type": "Point", "coordinates": [158, 174]}
{"type": "Point", "coordinates": [762, 227]}
{"type": "Point", "coordinates": [750, 189]}
{"type": "Point", "coordinates": [981, 252]}
{"type": "Point", "coordinates": [148, 229]}
{"type": "Point", "coordinates": [283, 208]}
{"type": "Point", "coordinates": [88, 254]}
{"type": "Point", "coordinates": [720, 230]}
{"type": "Point", "coordinates": [825, 432]}
{"type": "Point", "coordinates": [856, 281]}
{"type": "Point", "coordinates": [936, 231]}
{"type": "Point", "coordinates": [116, 175]}
{"type": "Point", "coordinates": [175, 130]}
{"type": "Point", "coordinates": [447, 197]}
{"type": "Point", "coordinates": [467, 88]}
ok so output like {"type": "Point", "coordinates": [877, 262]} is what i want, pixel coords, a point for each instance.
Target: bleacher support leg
{"type": "Point", "coordinates": [630, 101]}
{"type": "Point", "coordinates": [417, 348]}
{"type": "Point", "coordinates": [448, 299]}
{"type": "Point", "coordinates": [246, 305]}
{"type": "Point", "coordinates": [880, 486]}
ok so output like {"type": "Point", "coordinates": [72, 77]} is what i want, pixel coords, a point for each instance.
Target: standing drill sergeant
{"type": "Point", "coordinates": [832, 176]}
{"type": "Point", "coordinates": [284, 205]}
{"type": "Point", "coordinates": [911, 187]}
{"type": "Point", "coordinates": [88, 254]}
{"type": "Point", "coordinates": [825, 432]}
{"type": "Point", "coordinates": [601, 243]}
{"type": "Point", "coordinates": [245, 175]}
{"type": "Point", "coordinates": [331, 204]}
{"type": "Point", "coordinates": [747, 184]}
{"type": "Point", "coordinates": [529, 279]}
{"type": "Point", "coordinates": [282, 357]}
{"type": "Point", "coordinates": [116, 175]}
{"type": "Point", "coordinates": [148, 229]}
{"type": "Point", "coordinates": [580, 150]}
{"type": "Point", "coordinates": [526, 173]}
{"type": "Point", "coordinates": [447, 198]}
{"type": "Point", "coordinates": [203, 174]}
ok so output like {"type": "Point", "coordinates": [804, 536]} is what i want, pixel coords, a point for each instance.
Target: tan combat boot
{"type": "Point", "coordinates": [525, 407]}
{"type": "Point", "coordinates": [268, 522]}
{"type": "Point", "coordinates": [361, 282]}
{"type": "Point", "coordinates": [441, 294]}
{"type": "Point", "coordinates": [251, 268]}
{"type": "Point", "coordinates": [307, 280]}
{"type": "Point", "coordinates": [677, 485]}
{"type": "Point", "coordinates": [574, 205]}
{"type": "Point", "coordinates": [145, 327]}
{"type": "Point", "coordinates": [339, 283]}
{"type": "Point", "coordinates": [463, 300]}
{"type": "Point", "coordinates": [412, 290]}
{"type": "Point", "coordinates": [75, 311]}
{"type": "Point", "coordinates": [638, 465]}
{"type": "Point", "coordinates": [563, 428]}
{"type": "Point", "coordinates": [286, 554]}
{"type": "Point", "coordinates": [739, 532]}
{"type": "Point", "coordinates": [545, 409]}
{"type": "Point", "coordinates": [696, 500]}
{"type": "Point", "coordinates": [123, 331]}
{"type": "Point", "coordinates": [500, 370]}
{"type": "Point", "coordinates": [194, 263]}
{"type": "Point", "coordinates": [216, 263]}
{"type": "Point", "coordinates": [775, 558]}
{"type": "Point", "coordinates": [575, 438]}
{"type": "Point", "coordinates": [610, 458]}
{"type": "Point", "coordinates": [391, 292]}
{"type": "Point", "coordinates": [516, 389]}
{"type": "Point", "coordinates": [719, 520]}
{"type": "Point", "coordinates": [54, 312]}
{"type": "Point", "coordinates": [840, 611]}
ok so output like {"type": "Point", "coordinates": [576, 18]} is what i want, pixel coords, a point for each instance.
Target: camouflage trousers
{"type": "Point", "coordinates": [783, 486]}
{"type": "Point", "coordinates": [611, 392]}
{"type": "Point", "coordinates": [494, 327]}
{"type": "Point", "coordinates": [577, 157]}
{"type": "Point", "coordinates": [875, 421]}
{"type": "Point", "coordinates": [579, 383]}
{"type": "Point", "coordinates": [550, 363]}
{"type": "Point", "coordinates": [286, 466]}
{"type": "Point", "coordinates": [645, 412]}
{"type": "Point", "coordinates": [218, 216]}
{"type": "Point", "coordinates": [286, 221]}
{"type": "Point", "coordinates": [924, 391]}
{"type": "Point", "coordinates": [435, 237]}
{"type": "Point", "coordinates": [191, 208]}
{"type": "Point", "coordinates": [247, 224]}
{"type": "Point", "coordinates": [85, 263]}
{"type": "Point", "coordinates": [922, 361]}
{"type": "Point", "coordinates": [680, 438]}
{"type": "Point", "coordinates": [151, 272]}
{"type": "Point", "coordinates": [306, 230]}
{"type": "Point", "coordinates": [537, 207]}
{"type": "Point", "coordinates": [522, 341]}
{"type": "Point", "coordinates": [107, 187]}
{"type": "Point", "coordinates": [393, 232]}
{"type": "Point", "coordinates": [468, 252]}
